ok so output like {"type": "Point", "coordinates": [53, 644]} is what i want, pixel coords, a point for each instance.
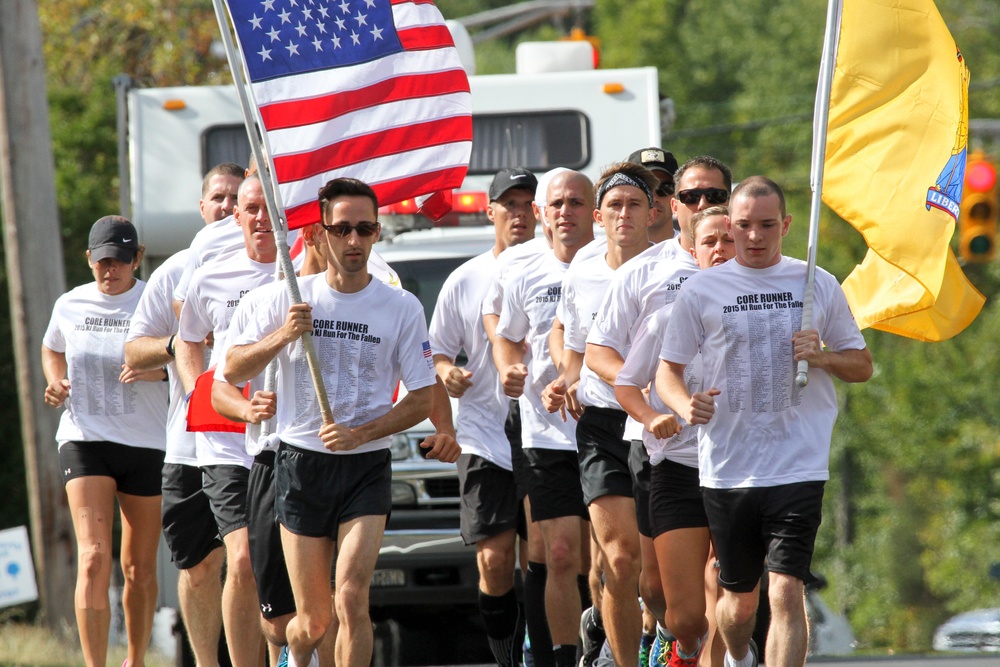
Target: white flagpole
{"type": "Point", "coordinates": [272, 198]}
{"type": "Point", "coordinates": [821, 117]}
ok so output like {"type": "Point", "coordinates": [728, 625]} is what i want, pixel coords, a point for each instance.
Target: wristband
{"type": "Point", "coordinates": [170, 345]}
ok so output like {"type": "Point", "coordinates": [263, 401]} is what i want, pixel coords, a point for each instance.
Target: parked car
{"type": "Point", "coordinates": [829, 632]}
{"type": "Point", "coordinates": [977, 630]}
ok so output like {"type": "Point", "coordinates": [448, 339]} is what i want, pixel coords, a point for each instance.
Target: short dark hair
{"type": "Point", "coordinates": [705, 162]}
{"type": "Point", "coordinates": [221, 169]}
{"type": "Point", "coordinates": [760, 186]}
{"type": "Point", "coordinates": [345, 187]}
{"type": "Point", "coordinates": [636, 171]}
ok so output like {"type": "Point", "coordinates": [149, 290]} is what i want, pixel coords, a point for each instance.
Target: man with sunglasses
{"type": "Point", "coordinates": [639, 289]}
{"type": "Point", "coordinates": [700, 182]}
{"type": "Point", "coordinates": [663, 164]}
{"type": "Point", "coordinates": [333, 478]}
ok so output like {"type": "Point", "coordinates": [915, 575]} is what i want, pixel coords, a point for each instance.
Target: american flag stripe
{"type": "Point", "coordinates": [310, 85]}
{"type": "Point", "coordinates": [371, 89]}
{"type": "Point", "coordinates": [425, 38]}
{"type": "Point", "coordinates": [295, 141]}
{"type": "Point", "coordinates": [352, 151]}
{"type": "Point", "coordinates": [308, 212]}
{"type": "Point", "coordinates": [382, 171]}
{"type": "Point", "coordinates": [283, 115]}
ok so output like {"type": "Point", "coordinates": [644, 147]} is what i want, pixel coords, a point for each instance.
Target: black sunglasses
{"type": "Point", "coordinates": [664, 189]}
{"type": "Point", "coordinates": [364, 229]}
{"type": "Point", "coordinates": [714, 196]}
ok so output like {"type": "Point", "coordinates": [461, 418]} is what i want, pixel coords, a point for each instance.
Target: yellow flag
{"type": "Point", "coordinates": [895, 165]}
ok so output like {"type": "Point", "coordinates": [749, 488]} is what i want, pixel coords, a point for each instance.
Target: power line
{"type": "Point", "coordinates": [736, 127]}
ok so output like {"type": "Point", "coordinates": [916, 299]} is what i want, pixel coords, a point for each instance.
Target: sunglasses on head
{"type": "Point", "coordinates": [364, 229]}
{"type": "Point", "coordinates": [713, 196]}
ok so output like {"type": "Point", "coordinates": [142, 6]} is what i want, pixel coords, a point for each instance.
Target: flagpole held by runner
{"type": "Point", "coordinates": [821, 116]}
{"type": "Point", "coordinates": [271, 194]}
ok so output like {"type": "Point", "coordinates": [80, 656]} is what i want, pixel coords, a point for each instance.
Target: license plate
{"type": "Point", "coordinates": [387, 578]}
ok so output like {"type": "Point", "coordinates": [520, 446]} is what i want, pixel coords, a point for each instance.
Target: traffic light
{"type": "Point", "coordinates": [977, 219]}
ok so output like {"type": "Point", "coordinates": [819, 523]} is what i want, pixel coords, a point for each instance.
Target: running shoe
{"type": "Point", "coordinates": [591, 638]}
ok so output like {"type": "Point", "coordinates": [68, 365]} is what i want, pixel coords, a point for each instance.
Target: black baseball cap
{"type": "Point", "coordinates": [516, 177]}
{"type": "Point", "coordinates": [113, 237]}
{"type": "Point", "coordinates": [655, 158]}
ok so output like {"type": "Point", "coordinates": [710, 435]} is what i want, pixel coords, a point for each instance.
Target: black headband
{"type": "Point", "coordinates": [621, 178]}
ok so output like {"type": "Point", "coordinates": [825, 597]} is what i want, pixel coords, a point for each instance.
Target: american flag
{"type": "Point", "coordinates": [371, 89]}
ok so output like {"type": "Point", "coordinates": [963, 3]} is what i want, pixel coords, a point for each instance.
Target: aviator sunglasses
{"type": "Point", "coordinates": [714, 196]}
{"type": "Point", "coordinates": [364, 229]}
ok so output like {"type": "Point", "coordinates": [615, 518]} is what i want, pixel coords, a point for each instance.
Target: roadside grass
{"type": "Point", "coordinates": [28, 645]}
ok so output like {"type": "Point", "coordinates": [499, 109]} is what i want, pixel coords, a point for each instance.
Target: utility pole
{"type": "Point", "coordinates": [33, 252]}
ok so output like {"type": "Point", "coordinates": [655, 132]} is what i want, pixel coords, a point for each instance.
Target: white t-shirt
{"type": "Point", "coordinates": [584, 286]}
{"type": "Point", "coordinates": [530, 298]}
{"type": "Point", "coordinates": [639, 371]}
{"type": "Point", "coordinates": [511, 257]}
{"type": "Point", "coordinates": [215, 291]}
{"type": "Point", "coordinates": [89, 327]}
{"type": "Point", "coordinates": [457, 325]}
{"type": "Point", "coordinates": [766, 431]}
{"type": "Point", "coordinates": [154, 317]}
{"type": "Point", "coordinates": [366, 342]}
{"type": "Point", "coordinates": [639, 288]}
{"type": "Point", "coordinates": [642, 286]}
{"type": "Point", "coordinates": [597, 246]}
{"type": "Point", "coordinates": [242, 317]}
{"type": "Point", "coordinates": [218, 238]}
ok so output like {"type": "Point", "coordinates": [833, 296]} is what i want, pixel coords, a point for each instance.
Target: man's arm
{"type": "Point", "coordinates": [456, 380]}
{"type": "Point", "coordinates": [634, 403]}
{"type": "Point", "coordinates": [245, 362]}
{"type": "Point", "coordinates": [696, 408]}
{"type": "Point", "coordinates": [442, 445]}
{"type": "Point", "coordinates": [508, 357]}
{"type": "Point", "coordinates": [604, 361]}
{"type": "Point", "coordinates": [147, 353]}
{"type": "Point", "coordinates": [230, 402]}
{"type": "Point", "coordinates": [561, 392]}
{"type": "Point", "coordinates": [845, 365]}
{"type": "Point", "coordinates": [490, 325]}
{"type": "Point", "coordinates": [557, 343]}
{"type": "Point", "coordinates": [412, 409]}
{"type": "Point", "coordinates": [190, 362]}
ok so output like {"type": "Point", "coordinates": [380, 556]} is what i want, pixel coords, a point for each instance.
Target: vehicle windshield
{"type": "Point", "coordinates": [424, 278]}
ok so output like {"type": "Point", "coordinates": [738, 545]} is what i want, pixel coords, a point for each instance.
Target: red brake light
{"type": "Point", "coordinates": [469, 202]}
{"type": "Point", "coordinates": [405, 207]}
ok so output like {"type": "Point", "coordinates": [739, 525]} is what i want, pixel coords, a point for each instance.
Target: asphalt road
{"type": "Point", "coordinates": [975, 660]}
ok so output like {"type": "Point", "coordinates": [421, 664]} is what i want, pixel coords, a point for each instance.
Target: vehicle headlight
{"type": "Point", "coordinates": [399, 447]}
{"type": "Point", "coordinates": [403, 495]}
